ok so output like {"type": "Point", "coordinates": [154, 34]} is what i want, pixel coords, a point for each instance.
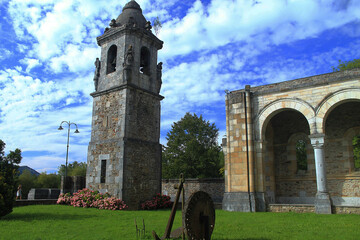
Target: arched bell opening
{"type": "Point", "coordinates": [145, 61]}
{"type": "Point", "coordinates": [111, 59]}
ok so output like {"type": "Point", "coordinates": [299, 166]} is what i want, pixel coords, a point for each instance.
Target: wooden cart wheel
{"type": "Point", "coordinates": [199, 216]}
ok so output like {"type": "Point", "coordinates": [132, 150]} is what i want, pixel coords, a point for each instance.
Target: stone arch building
{"type": "Point", "coordinates": [291, 142]}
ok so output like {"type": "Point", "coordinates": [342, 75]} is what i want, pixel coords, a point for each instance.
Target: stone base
{"type": "Point", "coordinates": [260, 202]}
{"type": "Point", "coordinates": [238, 202]}
{"type": "Point", "coordinates": [322, 203]}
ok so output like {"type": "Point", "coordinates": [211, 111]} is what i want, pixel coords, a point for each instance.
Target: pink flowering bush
{"type": "Point", "coordinates": [87, 198]}
{"type": "Point", "coordinates": [64, 199]}
{"type": "Point", "coordinates": [110, 203]}
{"type": "Point", "coordinates": [158, 202]}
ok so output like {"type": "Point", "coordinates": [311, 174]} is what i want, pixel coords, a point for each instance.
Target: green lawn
{"type": "Point", "coordinates": [66, 222]}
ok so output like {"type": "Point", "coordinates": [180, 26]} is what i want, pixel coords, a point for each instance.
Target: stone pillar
{"type": "Point", "coordinates": [322, 198]}
{"type": "Point", "coordinates": [259, 181]}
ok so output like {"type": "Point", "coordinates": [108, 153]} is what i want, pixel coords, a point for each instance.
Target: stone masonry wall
{"type": "Point", "coordinates": [213, 186]}
{"type": "Point", "coordinates": [236, 158]}
{"type": "Point", "coordinates": [142, 174]}
{"type": "Point", "coordinates": [107, 134]}
{"type": "Point", "coordinates": [307, 97]}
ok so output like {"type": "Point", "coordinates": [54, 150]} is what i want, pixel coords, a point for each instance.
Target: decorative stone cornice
{"type": "Point", "coordinates": [114, 33]}
{"type": "Point", "coordinates": [123, 86]}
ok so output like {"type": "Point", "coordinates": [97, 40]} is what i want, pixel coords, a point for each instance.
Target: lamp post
{"type": "Point", "coordinates": [67, 147]}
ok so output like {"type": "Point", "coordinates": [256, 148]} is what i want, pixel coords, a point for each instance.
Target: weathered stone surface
{"type": "Point", "coordinates": [282, 114]}
{"type": "Point", "coordinates": [124, 154]}
{"type": "Point", "coordinates": [213, 186]}
{"type": "Point", "coordinates": [238, 202]}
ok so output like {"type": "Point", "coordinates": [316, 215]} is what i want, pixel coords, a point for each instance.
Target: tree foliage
{"type": "Point", "coordinates": [192, 149]}
{"type": "Point", "coordinates": [356, 150]}
{"type": "Point", "coordinates": [8, 179]}
{"type": "Point", "coordinates": [157, 25]}
{"type": "Point", "coordinates": [27, 181]}
{"type": "Point", "coordinates": [73, 169]}
{"type": "Point", "coordinates": [44, 180]}
{"type": "Point", "coordinates": [347, 65]}
{"type": "Point", "coordinates": [301, 156]}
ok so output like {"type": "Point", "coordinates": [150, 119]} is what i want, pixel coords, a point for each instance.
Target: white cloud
{"type": "Point", "coordinates": [29, 120]}
{"type": "Point", "coordinates": [280, 21]}
{"type": "Point", "coordinates": [209, 47]}
{"type": "Point", "coordinates": [75, 59]}
{"type": "Point", "coordinates": [31, 63]}
{"type": "Point", "coordinates": [4, 54]}
{"type": "Point", "coordinates": [61, 32]}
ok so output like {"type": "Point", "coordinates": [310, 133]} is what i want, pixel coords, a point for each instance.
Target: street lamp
{"type": "Point", "coordinates": [67, 146]}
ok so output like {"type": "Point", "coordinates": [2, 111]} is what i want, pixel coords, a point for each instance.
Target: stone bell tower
{"type": "Point", "coordinates": [124, 154]}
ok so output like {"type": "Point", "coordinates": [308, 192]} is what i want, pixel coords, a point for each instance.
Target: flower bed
{"type": "Point", "coordinates": [158, 202]}
{"type": "Point", "coordinates": [87, 198]}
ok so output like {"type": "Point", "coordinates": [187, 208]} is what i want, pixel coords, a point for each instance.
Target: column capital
{"type": "Point", "coordinates": [317, 140]}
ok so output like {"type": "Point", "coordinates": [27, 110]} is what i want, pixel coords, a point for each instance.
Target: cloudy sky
{"type": "Point", "coordinates": [48, 48]}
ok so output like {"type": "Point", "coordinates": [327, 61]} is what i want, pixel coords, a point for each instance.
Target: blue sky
{"type": "Point", "coordinates": [48, 49]}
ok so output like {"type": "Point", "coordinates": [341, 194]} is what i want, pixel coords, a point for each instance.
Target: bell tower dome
{"type": "Point", "coordinates": [124, 154]}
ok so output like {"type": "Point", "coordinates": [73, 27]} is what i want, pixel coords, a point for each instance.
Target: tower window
{"type": "Point", "coordinates": [103, 171]}
{"type": "Point", "coordinates": [356, 151]}
{"type": "Point", "coordinates": [145, 61]}
{"type": "Point", "coordinates": [111, 59]}
{"type": "Point", "coordinates": [301, 157]}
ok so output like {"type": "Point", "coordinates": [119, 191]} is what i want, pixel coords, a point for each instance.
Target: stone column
{"type": "Point", "coordinates": [322, 198]}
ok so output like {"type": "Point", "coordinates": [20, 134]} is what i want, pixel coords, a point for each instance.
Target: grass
{"type": "Point", "coordinates": [66, 222]}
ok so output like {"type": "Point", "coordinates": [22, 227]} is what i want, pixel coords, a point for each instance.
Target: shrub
{"type": "Point", "coordinates": [158, 202]}
{"type": "Point", "coordinates": [87, 198]}
{"type": "Point", "coordinates": [110, 203]}
{"type": "Point", "coordinates": [27, 181]}
{"type": "Point", "coordinates": [64, 199]}
{"type": "Point", "coordinates": [8, 183]}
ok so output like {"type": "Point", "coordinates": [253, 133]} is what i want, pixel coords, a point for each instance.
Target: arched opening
{"type": "Point", "coordinates": [111, 59]}
{"type": "Point", "coordinates": [289, 162]}
{"type": "Point", "coordinates": [145, 61]}
{"type": "Point", "coordinates": [342, 128]}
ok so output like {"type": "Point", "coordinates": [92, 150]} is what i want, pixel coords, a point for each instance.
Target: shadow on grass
{"type": "Point", "coordinates": [28, 217]}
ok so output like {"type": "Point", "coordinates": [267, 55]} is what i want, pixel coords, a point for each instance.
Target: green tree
{"type": "Point", "coordinates": [347, 65]}
{"type": "Point", "coordinates": [8, 179]}
{"type": "Point", "coordinates": [301, 156]}
{"type": "Point", "coordinates": [192, 149]}
{"type": "Point", "coordinates": [27, 181]}
{"type": "Point", "coordinates": [73, 169]}
{"type": "Point", "coordinates": [48, 180]}
{"type": "Point", "coordinates": [356, 150]}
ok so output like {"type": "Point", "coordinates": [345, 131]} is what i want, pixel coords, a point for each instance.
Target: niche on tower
{"type": "Point", "coordinates": [145, 61]}
{"type": "Point", "coordinates": [111, 59]}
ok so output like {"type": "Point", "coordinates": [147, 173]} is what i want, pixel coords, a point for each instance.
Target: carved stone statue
{"type": "Point", "coordinates": [148, 26]}
{"type": "Point", "coordinates": [129, 57]}
{"type": "Point", "coordinates": [113, 23]}
{"type": "Point", "coordinates": [131, 22]}
{"type": "Point", "coordinates": [97, 72]}
{"type": "Point", "coordinates": [159, 75]}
